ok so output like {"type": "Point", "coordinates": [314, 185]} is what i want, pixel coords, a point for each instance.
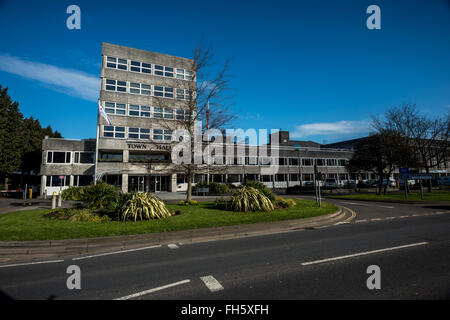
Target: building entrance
{"type": "Point", "coordinates": [154, 183]}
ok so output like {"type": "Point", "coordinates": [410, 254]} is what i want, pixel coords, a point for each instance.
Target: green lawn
{"type": "Point", "coordinates": [31, 225]}
{"type": "Point", "coordinates": [412, 196]}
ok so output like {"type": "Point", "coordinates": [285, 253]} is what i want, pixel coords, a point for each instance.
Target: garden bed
{"type": "Point", "coordinates": [32, 225]}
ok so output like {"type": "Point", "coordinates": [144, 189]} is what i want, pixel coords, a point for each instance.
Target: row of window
{"type": "Point", "coordinates": [146, 89]}
{"type": "Point", "coordinates": [148, 68]}
{"type": "Point", "coordinates": [136, 133]}
{"type": "Point", "coordinates": [79, 157]}
{"type": "Point", "coordinates": [146, 111]}
{"type": "Point", "coordinates": [64, 181]}
{"type": "Point", "coordinates": [285, 161]}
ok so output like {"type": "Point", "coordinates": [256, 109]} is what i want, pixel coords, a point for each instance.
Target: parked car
{"type": "Point", "coordinates": [445, 181]}
{"type": "Point", "coordinates": [350, 184]}
{"type": "Point", "coordinates": [331, 183]}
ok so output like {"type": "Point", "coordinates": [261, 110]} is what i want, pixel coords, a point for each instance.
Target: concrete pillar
{"type": "Point", "coordinates": [173, 183]}
{"type": "Point", "coordinates": [124, 182]}
{"type": "Point", "coordinates": [71, 181]}
{"type": "Point", "coordinates": [43, 182]}
{"type": "Point", "coordinates": [126, 155]}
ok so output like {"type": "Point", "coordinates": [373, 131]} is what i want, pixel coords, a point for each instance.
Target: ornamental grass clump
{"type": "Point", "coordinates": [144, 206]}
{"type": "Point", "coordinates": [248, 199]}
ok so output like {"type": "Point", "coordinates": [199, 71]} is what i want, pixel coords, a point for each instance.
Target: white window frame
{"type": "Point", "coordinates": [65, 157]}
{"type": "Point", "coordinates": [164, 133]}
{"type": "Point", "coordinates": [140, 110]}
{"type": "Point", "coordinates": [75, 153]}
{"type": "Point", "coordinates": [140, 133]}
{"type": "Point", "coordinates": [114, 132]}
{"type": "Point", "coordinates": [115, 85]}
{"type": "Point", "coordinates": [140, 89]}
{"type": "Point", "coordinates": [184, 74]}
{"type": "Point", "coordinates": [113, 60]}
{"type": "Point", "coordinates": [141, 67]}
{"type": "Point", "coordinates": [113, 106]}
{"type": "Point", "coordinates": [164, 70]}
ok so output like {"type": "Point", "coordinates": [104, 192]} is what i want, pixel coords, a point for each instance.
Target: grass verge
{"type": "Point", "coordinates": [31, 225]}
{"type": "Point", "coordinates": [400, 196]}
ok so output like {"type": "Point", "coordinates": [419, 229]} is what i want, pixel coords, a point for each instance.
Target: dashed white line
{"type": "Point", "coordinates": [139, 294]}
{"type": "Point", "coordinates": [30, 263]}
{"type": "Point", "coordinates": [212, 284]}
{"type": "Point", "coordinates": [364, 253]}
{"type": "Point", "coordinates": [116, 252]}
{"type": "Point", "coordinates": [172, 246]}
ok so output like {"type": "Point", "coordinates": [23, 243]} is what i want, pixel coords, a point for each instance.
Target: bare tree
{"type": "Point", "coordinates": [205, 95]}
{"type": "Point", "coordinates": [425, 137]}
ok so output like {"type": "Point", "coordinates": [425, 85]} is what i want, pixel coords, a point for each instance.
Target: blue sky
{"type": "Point", "coordinates": [310, 67]}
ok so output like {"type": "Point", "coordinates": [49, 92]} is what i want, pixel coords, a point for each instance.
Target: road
{"type": "Point", "coordinates": [409, 243]}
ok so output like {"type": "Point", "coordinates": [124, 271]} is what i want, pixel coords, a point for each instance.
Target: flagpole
{"type": "Point", "coordinates": [96, 145]}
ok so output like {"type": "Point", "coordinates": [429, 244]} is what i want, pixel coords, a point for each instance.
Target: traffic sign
{"type": "Point", "coordinates": [421, 176]}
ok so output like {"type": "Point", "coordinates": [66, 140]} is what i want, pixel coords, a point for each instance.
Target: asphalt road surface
{"type": "Point", "coordinates": [409, 243]}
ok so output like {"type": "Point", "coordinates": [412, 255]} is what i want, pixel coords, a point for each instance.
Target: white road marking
{"type": "Point", "coordinates": [212, 284]}
{"type": "Point", "coordinates": [368, 205]}
{"type": "Point", "coordinates": [116, 252]}
{"type": "Point", "coordinates": [363, 253]}
{"type": "Point", "coordinates": [139, 294]}
{"type": "Point", "coordinates": [30, 263]}
{"type": "Point", "coordinates": [172, 246]}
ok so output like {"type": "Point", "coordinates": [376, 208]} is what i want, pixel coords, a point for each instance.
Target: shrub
{"type": "Point", "coordinates": [76, 215]}
{"type": "Point", "coordinates": [72, 193]}
{"type": "Point", "coordinates": [284, 203]}
{"type": "Point", "coordinates": [100, 196]}
{"type": "Point", "coordinates": [144, 206]}
{"type": "Point", "coordinates": [247, 199]}
{"type": "Point", "coordinates": [189, 203]}
{"type": "Point", "coordinates": [261, 187]}
{"type": "Point", "coordinates": [87, 216]}
{"type": "Point", "coordinates": [214, 187]}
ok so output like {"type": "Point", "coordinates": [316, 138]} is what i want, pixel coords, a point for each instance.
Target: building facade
{"type": "Point", "coordinates": [142, 93]}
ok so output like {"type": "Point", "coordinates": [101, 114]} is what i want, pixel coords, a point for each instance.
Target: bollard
{"type": "Point", "coordinates": [54, 200]}
{"type": "Point", "coordinates": [31, 193]}
{"type": "Point", "coordinates": [59, 199]}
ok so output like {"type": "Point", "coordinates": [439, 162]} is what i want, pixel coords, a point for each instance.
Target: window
{"type": "Point", "coordinates": [139, 133]}
{"type": "Point", "coordinates": [140, 88]}
{"type": "Point", "coordinates": [163, 71]}
{"type": "Point", "coordinates": [116, 85]}
{"type": "Point", "coordinates": [182, 114]}
{"type": "Point", "coordinates": [182, 94]}
{"type": "Point", "coordinates": [280, 177]}
{"type": "Point", "coordinates": [110, 157]}
{"type": "Point", "coordinates": [331, 162]}
{"type": "Point", "coordinates": [293, 162]}
{"type": "Point", "coordinates": [113, 132]}
{"type": "Point", "coordinates": [165, 92]}
{"type": "Point", "coordinates": [184, 74]}
{"type": "Point", "coordinates": [160, 134]}
{"type": "Point", "coordinates": [283, 161]}
{"type": "Point", "coordinates": [116, 63]}
{"type": "Point", "coordinates": [308, 177]}
{"type": "Point", "coordinates": [266, 178]}
{"type": "Point", "coordinates": [59, 156]}
{"type": "Point", "coordinates": [115, 108]}
{"type": "Point", "coordinates": [342, 162]}
{"type": "Point", "coordinates": [294, 177]}
{"type": "Point", "coordinates": [168, 113]}
{"type": "Point", "coordinates": [55, 181]}
{"type": "Point", "coordinates": [307, 162]}
{"type": "Point", "coordinates": [165, 113]}
{"type": "Point", "coordinates": [320, 162]}
{"type": "Point", "coordinates": [139, 111]}
{"type": "Point", "coordinates": [137, 66]}
{"type": "Point", "coordinates": [82, 181]}
{"type": "Point", "coordinates": [84, 157]}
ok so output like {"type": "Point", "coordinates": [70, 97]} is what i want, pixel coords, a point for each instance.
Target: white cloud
{"type": "Point", "coordinates": [332, 129]}
{"type": "Point", "coordinates": [72, 82]}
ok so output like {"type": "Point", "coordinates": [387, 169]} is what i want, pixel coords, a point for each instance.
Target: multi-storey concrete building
{"type": "Point", "coordinates": [142, 93]}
